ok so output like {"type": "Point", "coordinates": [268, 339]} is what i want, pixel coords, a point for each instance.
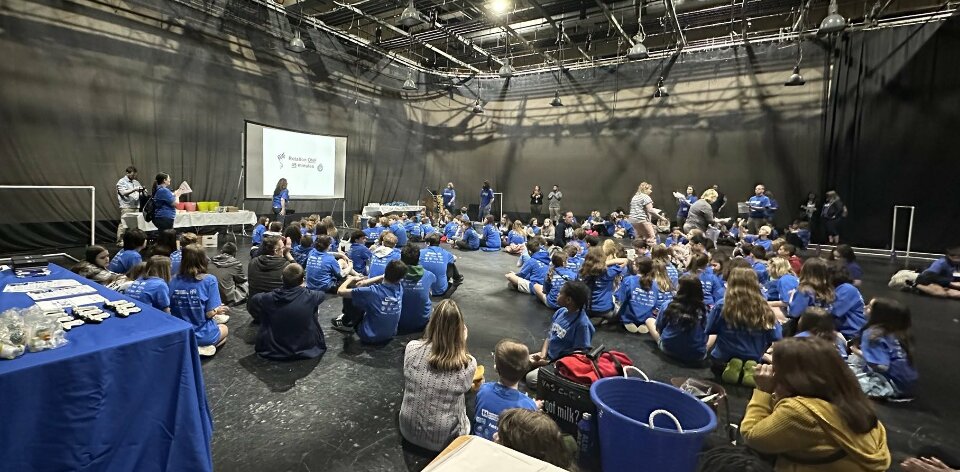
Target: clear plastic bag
{"type": "Point", "coordinates": [43, 330]}
{"type": "Point", "coordinates": [13, 334]}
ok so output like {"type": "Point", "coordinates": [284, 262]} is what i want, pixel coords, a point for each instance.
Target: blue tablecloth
{"type": "Point", "coordinates": [124, 395]}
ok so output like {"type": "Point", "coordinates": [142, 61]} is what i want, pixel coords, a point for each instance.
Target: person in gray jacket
{"type": "Point", "coordinates": [230, 275]}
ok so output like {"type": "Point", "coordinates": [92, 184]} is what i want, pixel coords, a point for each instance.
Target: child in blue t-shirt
{"type": "Point", "coordinates": [638, 297]}
{"type": "Point", "coordinates": [511, 360]}
{"type": "Point", "coordinates": [516, 239]}
{"type": "Point", "coordinates": [557, 276]}
{"type": "Point", "coordinates": [490, 241]}
{"type": "Point", "coordinates": [781, 285]}
{"type": "Point", "coordinates": [570, 329]}
{"type": "Point", "coordinates": [680, 326]}
{"type": "Point", "coordinates": [759, 263]}
{"type": "Point", "coordinates": [713, 288]}
{"type": "Point", "coordinates": [442, 264]}
{"type": "Point", "coordinates": [942, 278]}
{"type": "Point", "coordinates": [574, 258]}
{"type": "Point", "coordinates": [134, 240]}
{"type": "Point", "coordinates": [301, 252]}
{"type": "Point", "coordinates": [398, 230]}
{"type": "Point", "coordinates": [416, 305]}
{"type": "Point", "coordinates": [533, 272]}
{"type": "Point", "coordinates": [360, 254]}
{"type": "Point", "coordinates": [884, 360]}
{"type": "Point", "coordinates": [371, 307]}
{"type": "Point", "coordinates": [323, 271]}
{"type": "Point", "coordinates": [384, 253]}
{"type": "Point", "coordinates": [817, 322]}
{"type": "Point", "coordinates": [815, 289]}
{"type": "Point", "coordinates": [152, 287]}
{"type": "Point", "coordinates": [257, 237]}
{"type": "Point", "coordinates": [763, 238]}
{"type": "Point", "coordinates": [195, 298]}
{"type": "Point", "coordinates": [469, 239]}
{"type": "Point", "coordinates": [848, 307]}
{"type": "Point", "coordinates": [676, 237]}
{"type": "Point", "coordinates": [372, 231]}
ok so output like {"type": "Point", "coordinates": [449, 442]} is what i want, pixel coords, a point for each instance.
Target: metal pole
{"type": "Point", "coordinates": [893, 235]}
{"type": "Point", "coordinates": [910, 233]}
{"type": "Point", "coordinates": [93, 216]}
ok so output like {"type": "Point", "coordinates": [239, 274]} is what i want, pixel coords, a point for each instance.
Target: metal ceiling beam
{"type": "Point", "coordinates": [404, 33]}
{"type": "Point", "coordinates": [614, 22]}
{"type": "Point", "coordinates": [546, 16]}
{"type": "Point", "coordinates": [676, 21]}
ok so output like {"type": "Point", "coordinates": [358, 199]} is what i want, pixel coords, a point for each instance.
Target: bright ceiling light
{"type": "Point", "coordinates": [500, 6]}
{"type": "Point", "coordinates": [410, 16]}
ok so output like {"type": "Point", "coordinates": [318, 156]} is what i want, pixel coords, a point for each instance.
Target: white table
{"type": "Point", "coordinates": [377, 210]}
{"type": "Point", "coordinates": [195, 219]}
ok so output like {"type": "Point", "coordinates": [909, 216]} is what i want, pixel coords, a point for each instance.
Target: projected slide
{"type": "Point", "coordinates": [313, 164]}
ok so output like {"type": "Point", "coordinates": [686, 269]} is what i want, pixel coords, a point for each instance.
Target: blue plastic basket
{"type": "Point", "coordinates": [649, 426]}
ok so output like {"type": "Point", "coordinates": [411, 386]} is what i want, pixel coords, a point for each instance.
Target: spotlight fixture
{"type": "Point", "coordinates": [661, 90]}
{"type": "Point", "coordinates": [833, 23]}
{"type": "Point", "coordinates": [410, 16]}
{"type": "Point", "coordinates": [506, 70]}
{"type": "Point", "coordinates": [795, 79]}
{"type": "Point", "coordinates": [296, 44]}
{"type": "Point", "coordinates": [638, 50]}
{"type": "Point", "coordinates": [409, 84]}
{"type": "Point", "coordinates": [556, 100]}
{"type": "Point", "coordinates": [477, 107]}
{"type": "Point", "coordinates": [499, 6]}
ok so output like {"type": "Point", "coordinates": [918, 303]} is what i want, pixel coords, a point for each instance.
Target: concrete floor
{"type": "Point", "coordinates": [340, 413]}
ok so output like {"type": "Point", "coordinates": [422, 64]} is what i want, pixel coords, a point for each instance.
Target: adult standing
{"type": "Point", "coordinates": [486, 200]}
{"type": "Point", "coordinates": [553, 202]}
{"type": "Point", "coordinates": [684, 205]}
{"type": "Point", "coordinates": [642, 213]}
{"type": "Point", "coordinates": [759, 204]}
{"type": "Point", "coordinates": [809, 208]}
{"type": "Point", "coordinates": [129, 190]}
{"type": "Point", "coordinates": [449, 198]}
{"type": "Point", "coordinates": [164, 202]}
{"type": "Point", "coordinates": [536, 202]}
{"type": "Point", "coordinates": [281, 196]}
{"type": "Point", "coordinates": [833, 213]}
{"type": "Point", "coordinates": [701, 214]}
{"type": "Point", "coordinates": [719, 203]}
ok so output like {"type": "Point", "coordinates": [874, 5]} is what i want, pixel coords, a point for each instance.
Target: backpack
{"type": "Point", "coordinates": [149, 210]}
{"type": "Point", "coordinates": [586, 367]}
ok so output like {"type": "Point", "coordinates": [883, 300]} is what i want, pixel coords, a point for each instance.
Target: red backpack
{"type": "Point", "coordinates": [586, 367]}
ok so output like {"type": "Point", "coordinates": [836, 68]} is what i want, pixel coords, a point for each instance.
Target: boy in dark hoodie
{"type": "Point", "coordinates": [416, 306]}
{"type": "Point", "coordinates": [289, 326]}
{"type": "Point", "coordinates": [264, 271]}
{"type": "Point", "coordinates": [230, 275]}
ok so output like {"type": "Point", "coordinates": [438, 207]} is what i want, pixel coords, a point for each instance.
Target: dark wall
{"type": "Point", "coordinates": [892, 135]}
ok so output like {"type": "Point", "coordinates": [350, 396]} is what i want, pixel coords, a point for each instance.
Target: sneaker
{"type": "Point", "coordinates": [221, 319]}
{"type": "Point", "coordinates": [733, 371]}
{"type": "Point", "coordinates": [206, 351]}
{"type": "Point", "coordinates": [642, 329]}
{"type": "Point", "coordinates": [749, 368]}
{"type": "Point", "coordinates": [631, 327]}
{"type": "Point", "coordinates": [340, 324]}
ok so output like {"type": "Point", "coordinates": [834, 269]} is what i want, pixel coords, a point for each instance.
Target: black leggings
{"type": "Point", "coordinates": [163, 223]}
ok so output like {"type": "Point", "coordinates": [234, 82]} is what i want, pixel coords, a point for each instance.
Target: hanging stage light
{"type": "Point", "coordinates": [296, 44]}
{"type": "Point", "coordinates": [506, 70]}
{"type": "Point", "coordinates": [661, 90]}
{"type": "Point", "coordinates": [556, 100]}
{"type": "Point", "coordinates": [833, 23]}
{"type": "Point", "coordinates": [638, 50]}
{"type": "Point", "coordinates": [409, 84]}
{"type": "Point", "coordinates": [795, 79]}
{"type": "Point", "coordinates": [410, 16]}
{"type": "Point", "coordinates": [477, 107]}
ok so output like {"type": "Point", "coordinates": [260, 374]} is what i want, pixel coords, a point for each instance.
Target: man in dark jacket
{"type": "Point", "coordinates": [230, 275]}
{"type": "Point", "coordinates": [564, 230]}
{"type": "Point", "coordinates": [264, 270]}
{"type": "Point", "coordinates": [289, 324]}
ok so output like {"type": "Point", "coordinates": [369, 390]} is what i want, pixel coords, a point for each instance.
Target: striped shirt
{"type": "Point", "coordinates": [638, 207]}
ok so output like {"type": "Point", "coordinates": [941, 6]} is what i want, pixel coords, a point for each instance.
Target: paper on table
{"type": "Point", "coordinates": [480, 455]}
{"type": "Point", "coordinates": [41, 285]}
{"type": "Point", "coordinates": [184, 188]}
{"type": "Point", "coordinates": [68, 302]}
{"type": "Point", "coordinates": [60, 292]}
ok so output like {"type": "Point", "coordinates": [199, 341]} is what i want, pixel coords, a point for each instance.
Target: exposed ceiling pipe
{"type": "Point", "coordinates": [614, 22]}
{"type": "Point", "coordinates": [546, 16]}
{"type": "Point", "coordinates": [676, 22]}
{"type": "Point", "coordinates": [404, 33]}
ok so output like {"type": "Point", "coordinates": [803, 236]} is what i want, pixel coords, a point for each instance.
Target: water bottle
{"type": "Point", "coordinates": [586, 443]}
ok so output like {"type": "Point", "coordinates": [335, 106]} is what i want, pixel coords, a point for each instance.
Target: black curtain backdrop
{"type": "Point", "coordinates": [891, 134]}
{"type": "Point", "coordinates": [87, 89]}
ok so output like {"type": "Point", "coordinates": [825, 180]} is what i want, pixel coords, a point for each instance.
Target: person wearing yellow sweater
{"type": "Point", "coordinates": [809, 411]}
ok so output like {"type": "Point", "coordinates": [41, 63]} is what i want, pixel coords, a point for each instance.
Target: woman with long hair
{"type": "Point", "coordinates": [744, 327]}
{"type": "Point", "coordinates": [642, 214]}
{"type": "Point", "coordinates": [833, 213]}
{"type": "Point", "coordinates": [281, 196]}
{"type": "Point", "coordinates": [599, 273]}
{"type": "Point", "coordinates": [94, 267]}
{"type": "Point", "coordinates": [548, 231]}
{"type": "Point", "coordinates": [535, 434]}
{"type": "Point", "coordinates": [437, 371]}
{"type": "Point", "coordinates": [195, 298]}
{"type": "Point", "coordinates": [536, 202]}
{"type": "Point", "coordinates": [680, 326]}
{"type": "Point", "coordinates": [809, 412]}
{"type": "Point", "coordinates": [151, 287]}
{"type": "Point", "coordinates": [884, 361]}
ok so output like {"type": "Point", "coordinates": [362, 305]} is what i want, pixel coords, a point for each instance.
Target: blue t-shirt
{"type": "Point", "coordinates": [360, 255]}
{"type": "Point", "coordinates": [766, 244]}
{"type": "Point", "coordinates": [802, 300]}
{"type": "Point", "coordinates": [152, 290]}
{"type": "Point", "coordinates": [124, 260]}
{"type": "Point", "coordinates": [415, 231]}
{"type": "Point", "coordinates": [758, 206]}
{"type": "Point", "coordinates": [301, 254]}
{"type": "Point", "coordinates": [191, 299]}
{"type": "Point", "coordinates": [785, 285]}
{"type": "Point", "coordinates": [492, 399]}
{"type": "Point", "coordinates": [762, 274]}
{"type": "Point", "coordinates": [712, 287]}
{"type": "Point", "coordinates": [436, 259]}
{"type": "Point", "coordinates": [175, 258]}
{"type": "Point", "coordinates": [373, 233]}
{"type": "Point", "coordinates": [400, 232]}
{"type": "Point", "coordinates": [673, 274]}
{"type": "Point", "coordinates": [886, 351]}
{"type": "Point", "coordinates": [601, 288]}
{"type": "Point", "coordinates": [685, 203]}
{"type": "Point", "coordinates": [636, 303]}
{"type": "Point", "coordinates": [848, 310]}
{"type": "Point", "coordinates": [671, 241]}
{"type": "Point", "coordinates": [568, 332]}
{"type": "Point", "coordinates": [536, 230]}
{"type": "Point", "coordinates": [163, 203]}
{"type": "Point", "coordinates": [449, 195]}
{"type": "Point", "coordinates": [416, 306]}
{"type": "Point", "coordinates": [838, 340]}
{"type": "Point", "coordinates": [688, 345]}
{"type": "Point", "coordinates": [323, 270]}
{"type": "Point", "coordinates": [574, 263]}
{"type": "Point", "coordinates": [486, 196]}
{"type": "Point", "coordinates": [553, 284]}
{"type": "Point", "coordinates": [427, 229]}
{"type": "Point", "coordinates": [378, 264]}
{"type": "Point", "coordinates": [534, 270]}
{"type": "Point", "coordinates": [284, 194]}
{"type": "Point", "coordinates": [630, 232]}
{"type": "Point", "coordinates": [450, 229]}
{"type": "Point", "coordinates": [514, 237]}
{"type": "Point", "coordinates": [772, 209]}
{"type": "Point", "coordinates": [381, 304]}
{"type": "Point", "coordinates": [740, 343]}
{"type": "Point", "coordinates": [257, 236]}
{"type": "Point", "coordinates": [491, 238]}
{"type": "Point", "coordinates": [855, 271]}
{"type": "Point", "coordinates": [945, 269]}
{"type": "Point", "coordinates": [472, 238]}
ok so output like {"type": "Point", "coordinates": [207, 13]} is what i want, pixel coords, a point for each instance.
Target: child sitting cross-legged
{"type": "Point", "coordinates": [372, 308]}
{"type": "Point", "coordinates": [570, 329]}
{"type": "Point", "coordinates": [515, 239]}
{"type": "Point", "coordinates": [679, 329]}
{"type": "Point", "coordinates": [884, 358]}
{"type": "Point", "coordinates": [512, 361]}
{"type": "Point", "coordinates": [557, 276]}
{"type": "Point", "coordinates": [639, 297]}
{"type": "Point", "coordinates": [533, 272]}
